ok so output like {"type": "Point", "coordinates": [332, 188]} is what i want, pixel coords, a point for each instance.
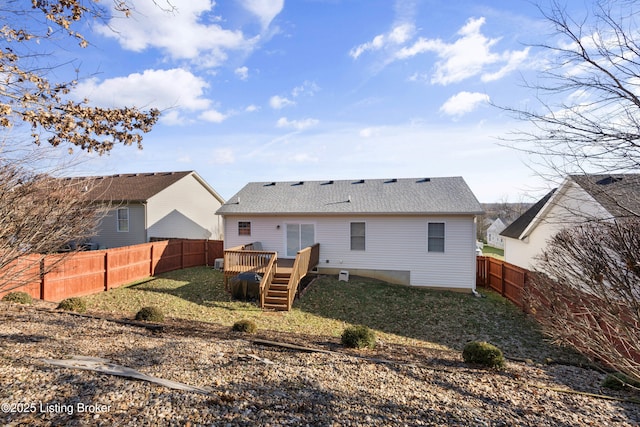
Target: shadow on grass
{"type": "Point", "coordinates": [447, 318]}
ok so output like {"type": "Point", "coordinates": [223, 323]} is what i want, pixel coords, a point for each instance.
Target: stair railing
{"type": "Point", "coordinates": [306, 259]}
{"type": "Point", "coordinates": [267, 279]}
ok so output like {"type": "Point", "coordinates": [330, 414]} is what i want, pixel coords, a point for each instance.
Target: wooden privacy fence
{"type": "Point", "coordinates": [507, 279]}
{"type": "Point", "coordinates": [56, 277]}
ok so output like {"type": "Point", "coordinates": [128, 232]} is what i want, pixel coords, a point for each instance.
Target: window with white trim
{"type": "Point", "coordinates": [435, 237]}
{"type": "Point", "coordinates": [358, 236]}
{"type": "Point", "coordinates": [123, 220]}
{"type": "Point", "coordinates": [244, 228]}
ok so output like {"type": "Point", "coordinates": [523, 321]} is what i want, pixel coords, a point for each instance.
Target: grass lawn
{"type": "Point", "coordinates": [491, 251]}
{"type": "Point", "coordinates": [398, 314]}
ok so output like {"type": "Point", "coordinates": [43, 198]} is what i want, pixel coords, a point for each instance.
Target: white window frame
{"type": "Point", "coordinates": [246, 228]}
{"type": "Point", "coordinates": [120, 221]}
{"type": "Point", "coordinates": [443, 238]}
{"type": "Point", "coordinates": [363, 237]}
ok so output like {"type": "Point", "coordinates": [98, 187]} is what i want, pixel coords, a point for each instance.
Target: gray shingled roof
{"type": "Point", "coordinates": [130, 187]}
{"type": "Point", "coordinates": [515, 229]}
{"type": "Point", "coordinates": [370, 196]}
{"type": "Point", "coordinates": [619, 194]}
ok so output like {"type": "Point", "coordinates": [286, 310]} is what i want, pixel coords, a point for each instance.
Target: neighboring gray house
{"type": "Point", "coordinates": [155, 205]}
{"type": "Point", "coordinates": [493, 234]}
{"type": "Point", "coordinates": [419, 232]}
{"type": "Point", "coordinates": [579, 199]}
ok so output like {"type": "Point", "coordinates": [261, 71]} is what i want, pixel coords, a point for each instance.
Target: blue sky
{"type": "Point", "coordinates": [274, 90]}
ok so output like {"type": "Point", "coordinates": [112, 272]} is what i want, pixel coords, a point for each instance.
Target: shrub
{"type": "Point", "coordinates": [358, 336]}
{"type": "Point", "coordinates": [245, 325]}
{"type": "Point", "coordinates": [618, 381]}
{"type": "Point", "coordinates": [73, 304]}
{"type": "Point", "coordinates": [483, 353]}
{"type": "Point", "coordinates": [18, 297]}
{"type": "Point", "coordinates": [150, 314]}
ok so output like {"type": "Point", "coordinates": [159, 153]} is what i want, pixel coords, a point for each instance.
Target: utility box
{"type": "Point", "coordinates": [343, 276]}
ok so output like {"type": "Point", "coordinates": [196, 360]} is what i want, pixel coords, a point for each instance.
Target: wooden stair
{"type": "Point", "coordinates": [277, 295]}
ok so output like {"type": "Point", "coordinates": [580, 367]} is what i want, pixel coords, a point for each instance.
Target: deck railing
{"type": "Point", "coordinates": [240, 260]}
{"type": "Point", "coordinates": [306, 259]}
{"type": "Point", "coordinates": [267, 279]}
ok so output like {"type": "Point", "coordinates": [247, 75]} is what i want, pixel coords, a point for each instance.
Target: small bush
{"type": "Point", "coordinates": [73, 304]}
{"type": "Point", "coordinates": [18, 297]}
{"type": "Point", "coordinates": [150, 314]}
{"type": "Point", "coordinates": [246, 326]}
{"type": "Point", "coordinates": [618, 381]}
{"type": "Point", "coordinates": [483, 353]}
{"type": "Point", "coordinates": [358, 336]}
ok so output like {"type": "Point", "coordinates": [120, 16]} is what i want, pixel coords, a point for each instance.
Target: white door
{"type": "Point", "coordinates": [299, 236]}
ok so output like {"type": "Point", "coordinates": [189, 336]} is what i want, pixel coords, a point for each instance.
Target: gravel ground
{"type": "Point", "coordinates": [256, 384]}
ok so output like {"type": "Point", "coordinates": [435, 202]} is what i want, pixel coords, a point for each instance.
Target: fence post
{"type": "Point", "coordinates": [206, 252]}
{"type": "Point", "coordinates": [41, 265]}
{"type": "Point", "coordinates": [183, 255]}
{"type": "Point", "coordinates": [502, 282]}
{"type": "Point", "coordinates": [151, 259]}
{"type": "Point", "coordinates": [106, 270]}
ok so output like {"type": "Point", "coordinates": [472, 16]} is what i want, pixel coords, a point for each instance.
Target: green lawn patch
{"type": "Point", "coordinates": [397, 314]}
{"type": "Point", "coordinates": [492, 251]}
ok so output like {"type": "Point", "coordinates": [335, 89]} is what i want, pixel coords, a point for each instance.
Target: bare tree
{"type": "Point", "coordinates": [39, 214]}
{"type": "Point", "coordinates": [587, 114]}
{"type": "Point", "coordinates": [587, 292]}
{"type": "Point", "coordinates": [586, 120]}
{"type": "Point", "coordinates": [28, 95]}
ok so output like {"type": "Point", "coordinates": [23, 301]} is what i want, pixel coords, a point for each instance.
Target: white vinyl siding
{"type": "Point", "coordinates": [393, 242]}
{"type": "Point", "coordinates": [122, 224]}
{"type": "Point", "coordinates": [186, 209]}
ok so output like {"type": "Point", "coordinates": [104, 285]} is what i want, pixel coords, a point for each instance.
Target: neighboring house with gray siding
{"type": "Point", "coordinates": [419, 232]}
{"type": "Point", "coordinates": [143, 206]}
{"type": "Point", "coordinates": [579, 199]}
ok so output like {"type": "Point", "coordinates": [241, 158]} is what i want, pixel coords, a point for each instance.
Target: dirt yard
{"type": "Point", "coordinates": [243, 382]}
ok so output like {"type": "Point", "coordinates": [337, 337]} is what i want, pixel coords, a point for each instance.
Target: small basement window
{"type": "Point", "coordinates": [244, 228]}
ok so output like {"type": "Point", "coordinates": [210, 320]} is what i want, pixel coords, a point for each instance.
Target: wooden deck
{"type": "Point", "coordinates": [280, 276]}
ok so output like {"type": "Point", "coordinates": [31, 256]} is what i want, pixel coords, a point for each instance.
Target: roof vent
{"type": "Point", "coordinates": [361, 181]}
{"type": "Point", "coordinates": [608, 180]}
{"type": "Point", "coordinates": [392, 180]}
{"type": "Point", "coordinates": [424, 180]}
{"type": "Point", "coordinates": [327, 183]}
{"type": "Point", "coordinates": [271, 184]}
{"type": "Point", "coordinates": [298, 183]}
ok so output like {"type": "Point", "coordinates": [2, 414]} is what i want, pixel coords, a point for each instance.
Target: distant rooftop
{"type": "Point", "coordinates": [130, 187]}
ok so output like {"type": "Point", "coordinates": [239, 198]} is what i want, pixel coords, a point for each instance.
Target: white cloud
{"type": "Point", "coordinates": [283, 122]}
{"type": "Point", "coordinates": [369, 132]}
{"type": "Point", "coordinates": [397, 36]}
{"type": "Point", "coordinates": [223, 156]}
{"type": "Point", "coordinates": [242, 73]}
{"type": "Point", "coordinates": [191, 31]}
{"type": "Point", "coordinates": [212, 116]}
{"type": "Point", "coordinates": [470, 55]}
{"type": "Point", "coordinates": [265, 10]}
{"type": "Point", "coordinates": [162, 89]}
{"type": "Point", "coordinates": [278, 102]}
{"type": "Point", "coordinates": [306, 88]}
{"type": "Point", "coordinates": [252, 108]}
{"type": "Point", "coordinates": [463, 102]}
